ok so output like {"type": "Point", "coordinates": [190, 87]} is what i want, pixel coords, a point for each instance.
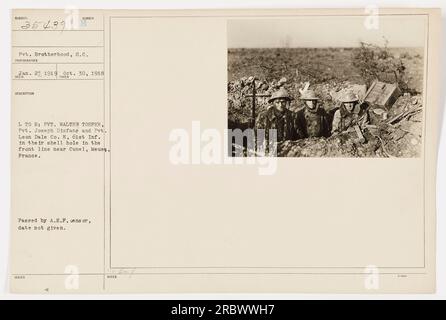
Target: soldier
{"type": "Point", "coordinates": [349, 114]}
{"type": "Point", "coordinates": [278, 117]}
{"type": "Point", "coordinates": [312, 120]}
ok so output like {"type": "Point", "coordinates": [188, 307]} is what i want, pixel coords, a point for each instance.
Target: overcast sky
{"type": "Point", "coordinates": [400, 31]}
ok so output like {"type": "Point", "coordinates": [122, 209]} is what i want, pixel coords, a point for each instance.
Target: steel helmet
{"type": "Point", "coordinates": [280, 94]}
{"type": "Point", "coordinates": [350, 97]}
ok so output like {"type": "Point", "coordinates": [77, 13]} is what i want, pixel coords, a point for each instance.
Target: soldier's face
{"type": "Point", "coordinates": [349, 106]}
{"type": "Point", "coordinates": [281, 104]}
{"type": "Point", "coordinates": [311, 104]}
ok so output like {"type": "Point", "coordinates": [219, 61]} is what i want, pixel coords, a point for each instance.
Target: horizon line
{"type": "Point", "coordinates": [324, 47]}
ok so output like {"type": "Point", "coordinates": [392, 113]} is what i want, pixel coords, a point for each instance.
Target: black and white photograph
{"type": "Point", "coordinates": [341, 86]}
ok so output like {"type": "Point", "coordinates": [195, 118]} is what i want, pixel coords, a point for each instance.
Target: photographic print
{"type": "Point", "coordinates": [317, 86]}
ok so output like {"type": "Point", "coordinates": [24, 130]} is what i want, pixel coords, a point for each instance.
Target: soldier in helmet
{"type": "Point", "coordinates": [349, 114]}
{"type": "Point", "coordinates": [312, 120]}
{"type": "Point", "coordinates": [278, 117]}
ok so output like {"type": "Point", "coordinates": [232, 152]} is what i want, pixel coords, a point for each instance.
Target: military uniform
{"type": "Point", "coordinates": [282, 122]}
{"type": "Point", "coordinates": [312, 123]}
{"type": "Point", "coordinates": [344, 120]}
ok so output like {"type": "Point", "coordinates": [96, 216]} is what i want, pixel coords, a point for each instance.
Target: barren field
{"type": "Point", "coordinates": [316, 65]}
